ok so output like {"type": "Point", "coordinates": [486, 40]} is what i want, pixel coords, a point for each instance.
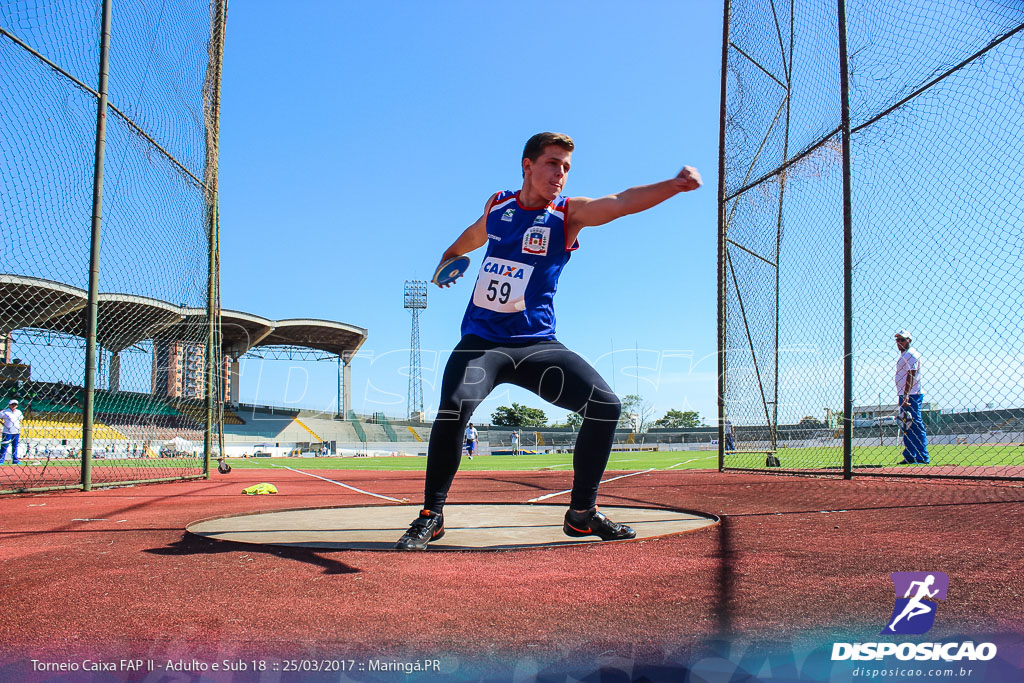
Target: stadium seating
{"type": "Point", "coordinates": [71, 430]}
{"type": "Point", "coordinates": [329, 429]}
{"type": "Point", "coordinates": [263, 424]}
{"type": "Point", "coordinates": [197, 411]}
{"type": "Point", "coordinates": [129, 403]}
{"type": "Point", "coordinates": [316, 437]}
{"type": "Point", "coordinates": [358, 427]}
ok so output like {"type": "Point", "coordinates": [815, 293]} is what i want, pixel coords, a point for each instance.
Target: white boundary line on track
{"type": "Point", "coordinates": [681, 463]}
{"type": "Point", "coordinates": [375, 495]}
{"type": "Point", "coordinates": [605, 481]}
{"type": "Point", "coordinates": [706, 457]}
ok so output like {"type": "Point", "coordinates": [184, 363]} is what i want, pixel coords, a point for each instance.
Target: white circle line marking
{"type": "Point", "coordinates": [604, 481]}
{"type": "Point", "coordinates": [353, 488]}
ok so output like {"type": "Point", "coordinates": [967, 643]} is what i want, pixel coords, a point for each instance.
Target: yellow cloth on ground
{"type": "Point", "coordinates": [260, 489]}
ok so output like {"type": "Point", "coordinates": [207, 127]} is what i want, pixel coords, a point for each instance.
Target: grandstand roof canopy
{"type": "Point", "coordinates": [242, 331]}
{"type": "Point", "coordinates": [30, 301]}
{"type": "Point", "coordinates": [127, 319]}
{"type": "Point", "coordinates": [324, 335]}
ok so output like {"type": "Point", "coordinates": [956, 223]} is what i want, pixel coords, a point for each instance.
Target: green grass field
{"type": "Point", "coordinates": [557, 461]}
{"type": "Point", "coordinates": [941, 455]}
{"type": "Point", "coordinates": [967, 455]}
{"type": "Point", "coordinates": [962, 455]}
{"type": "Point", "coordinates": [618, 461]}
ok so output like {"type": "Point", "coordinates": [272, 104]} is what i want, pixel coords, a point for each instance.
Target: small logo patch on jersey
{"type": "Point", "coordinates": [535, 241]}
{"type": "Point", "coordinates": [493, 237]}
{"type": "Point", "coordinates": [540, 218]}
{"type": "Point", "coordinates": [507, 217]}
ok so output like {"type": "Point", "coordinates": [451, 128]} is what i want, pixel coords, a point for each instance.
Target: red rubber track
{"type": "Point", "coordinates": [792, 555]}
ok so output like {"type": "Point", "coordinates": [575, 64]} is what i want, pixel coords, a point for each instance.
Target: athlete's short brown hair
{"type": "Point", "coordinates": [535, 145]}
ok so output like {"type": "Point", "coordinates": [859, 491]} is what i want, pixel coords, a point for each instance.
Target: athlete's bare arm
{"type": "Point", "coordinates": [584, 211]}
{"type": "Point", "coordinates": [472, 238]}
{"type": "Point", "coordinates": [911, 374]}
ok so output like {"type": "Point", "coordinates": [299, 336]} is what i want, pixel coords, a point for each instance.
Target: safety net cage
{"type": "Point", "coordinates": [871, 185]}
{"type": "Point", "coordinates": [108, 273]}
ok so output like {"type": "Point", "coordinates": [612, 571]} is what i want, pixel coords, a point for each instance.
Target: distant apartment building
{"type": "Point", "coordinates": [179, 370]}
{"type": "Point", "coordinates": [225, 379]}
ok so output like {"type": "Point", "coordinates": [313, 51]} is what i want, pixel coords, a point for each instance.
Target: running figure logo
{"type": "Point", "coordinates": [914, 613]}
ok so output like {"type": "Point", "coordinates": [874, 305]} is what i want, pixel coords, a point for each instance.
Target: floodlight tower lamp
{"type": "Point", "coordinates": [415, 301]}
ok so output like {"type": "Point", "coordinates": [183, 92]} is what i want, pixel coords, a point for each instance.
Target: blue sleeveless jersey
{"type": "Point", "coordinates": [513, 298]}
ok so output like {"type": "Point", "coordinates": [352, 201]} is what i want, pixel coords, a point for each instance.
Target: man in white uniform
{"type": "Point", "coordinates": [12, 418]}
{"type": "Point", "coordinates": [471, 440]}
{"type": "Point", "coordinates": [730, 443]}
{"type": "Point", "coordinates": [908, 387]}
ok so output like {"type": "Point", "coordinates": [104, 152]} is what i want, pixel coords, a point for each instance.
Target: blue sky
{"type": "Point", "coordinates": [359, 139]}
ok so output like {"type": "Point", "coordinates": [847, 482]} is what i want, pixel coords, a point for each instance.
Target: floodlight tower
{"type": "Point", "coordinates": [415, 301]}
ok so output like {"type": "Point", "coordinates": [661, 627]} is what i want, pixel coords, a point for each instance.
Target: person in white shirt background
{"type": "Point", "coordinates": [471, 439]}
{"type": "Point", "coordinates": [908, 387]}
{"type": "Point", "coordinates": [730, 443]}
{"type": "Point", "coordinates": [12, 418]}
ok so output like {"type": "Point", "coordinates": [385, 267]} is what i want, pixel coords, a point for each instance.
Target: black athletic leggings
{"type": "Point", "coordinates": [546, 368]}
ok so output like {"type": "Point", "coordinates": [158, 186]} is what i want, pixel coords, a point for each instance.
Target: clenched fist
{"type": "Point", "coordinates": [689, 179]}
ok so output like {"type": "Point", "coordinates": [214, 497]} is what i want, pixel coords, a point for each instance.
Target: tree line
{"type": "Point", "coordinates": [637, 414]}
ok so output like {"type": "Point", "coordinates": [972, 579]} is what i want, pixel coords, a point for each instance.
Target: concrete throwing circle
{"type": "Point", "coordinates": [467, 527]}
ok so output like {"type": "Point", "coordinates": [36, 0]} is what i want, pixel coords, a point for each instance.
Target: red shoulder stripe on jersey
{"type": "Point", "coordinates": [565, 228]}
{"type": "Point", "coordinates": [495, 200]}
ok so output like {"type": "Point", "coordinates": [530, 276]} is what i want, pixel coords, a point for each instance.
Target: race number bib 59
{"type": "Point", "coordinates": [501, 285]}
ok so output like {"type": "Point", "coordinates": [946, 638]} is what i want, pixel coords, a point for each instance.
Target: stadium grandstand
{"type": "Point", "coordinates": [168, 419]}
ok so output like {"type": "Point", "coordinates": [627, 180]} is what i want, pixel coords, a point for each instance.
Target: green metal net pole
{"type": "Point", "coordinates": [219, 347]}
{"type": "Point", "coordinates": [220, 362]}
{"type": "Point", "coordinates": [778, 232]}
{"type": "Point", "coordinates": [211, 361]}
{"type": "Point", "coordinates": [721, 240]}
{"type": "Point", "coordinates": [844, 75]}
{"type": "Point", "coordinates": [219, 10]}
{"type": "Point", "coordinates": [92, 308]}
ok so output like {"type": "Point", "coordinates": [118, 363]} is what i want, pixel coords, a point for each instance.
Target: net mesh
{"type": "Point", "coordinates": [936, 109]}
{"type": "Point", "coordinates": [158, 193]}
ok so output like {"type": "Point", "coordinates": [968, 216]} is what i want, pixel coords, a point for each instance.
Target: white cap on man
{"type": "Point", "coordinates": [13, 402]}
{"type": "Point", "coordinates": [903, 334]}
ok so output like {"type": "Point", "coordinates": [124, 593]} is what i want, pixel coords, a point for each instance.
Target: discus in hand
{"type": "Point", "coordinates": [450, 271]}
{"type": "Point", "coordinates": [904, 419]}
